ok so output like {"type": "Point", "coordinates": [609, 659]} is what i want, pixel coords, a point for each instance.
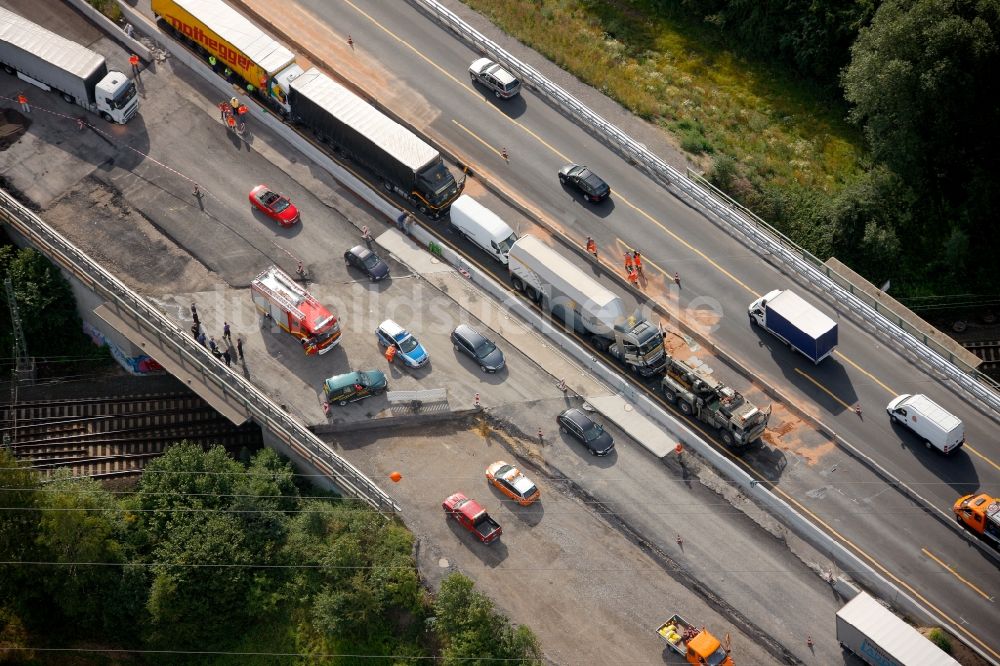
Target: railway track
{"type": "Point", "coordinates": [114, 436]}
{"type": "Point", "coordinates": [988, 350]}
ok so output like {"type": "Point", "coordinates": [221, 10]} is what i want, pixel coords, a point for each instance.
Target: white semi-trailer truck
{"type": "Point", "coordinates": [581, 303]}
{"type": "Point", "coordinates": [52, 62]}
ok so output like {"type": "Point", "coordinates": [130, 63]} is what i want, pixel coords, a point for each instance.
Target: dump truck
{"type": "Point", "coordinates": [278, 297]}
{"type": "Point", "coordinates": [251, 56]}
{"type": "Point", "coordinates": [700, 395]}
{"type": "Point", "coordinates": [583, 305]}
{"type": "Point", "coordinates": [876, 636]}
{"type": "Point", "coordinates": [788, 317]}
{"type": "Point", "coordinates": [53, 63]}
{"type": "Point", "coordinates": [980, 514]}
{"type": "Point", "coordinates": [472, 516]}
{"type": "Point", "coordinates": [402, 161]}
{"type": "Point", "coordinates": [696, 646]}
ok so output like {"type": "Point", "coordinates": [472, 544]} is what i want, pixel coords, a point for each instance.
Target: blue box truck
{"type": "Point", "coordinates": [788, 317]}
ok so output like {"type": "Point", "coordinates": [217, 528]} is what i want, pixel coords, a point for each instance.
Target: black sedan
{"type": "Point", "coordinates": [578, 423]}
{"type": "Point", "coordinates": [591, 186]}
{"type": "Point", "coordinates": [368, 262]}
{"type": "Point", "coordinates": [480, 349]}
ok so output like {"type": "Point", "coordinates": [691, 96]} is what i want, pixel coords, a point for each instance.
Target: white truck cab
{"type": "Point", "coordinates": [938, 428]}
{"type": "Point", "coordinates": [115, 98]}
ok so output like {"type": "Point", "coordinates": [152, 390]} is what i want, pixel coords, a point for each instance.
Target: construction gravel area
{"type": "Point", "coordinates": [563, 565]}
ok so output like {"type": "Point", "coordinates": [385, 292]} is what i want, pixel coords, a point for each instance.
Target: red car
{"type": "Point", "coordinates": [275, 206]}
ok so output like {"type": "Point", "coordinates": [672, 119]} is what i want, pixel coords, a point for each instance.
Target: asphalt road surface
{"type": "Point", "coordinates": [407, 62]}
{"type": "Point", "coordinates": [234, 244]}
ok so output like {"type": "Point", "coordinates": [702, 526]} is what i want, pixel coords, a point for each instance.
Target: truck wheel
{"type": "Point", "coordinates": [753, 322]}
{"type": "Point", "coordinates": [68, 98]}
{"type": "Point", "coordinates": [387, 186]}
{"type": "Point", "coordinates": [107, 116]}
{"type": "Point", "coordinates": [497, 93]}
{"type": "Point", "coordinates": [685, 408]}
{"type": "Point", "coordinates": [928, 444]}
{"type": "Point", "coordinates": [10, 70]}
{"type": "Point", "coordinates": [727, 438]}
{"type": "Point", "coordinates": [517, 284]}
{"type": "Point", "coordinates": [422, 208]}
{"type": "Point", "coordinates": [599, 344]}
{"type": "Point", "coordinates": [342, 403]}
{"type": "Point", "coordinates": [530, 292]}
{"type": "Point", "coordinates": [670, 396]}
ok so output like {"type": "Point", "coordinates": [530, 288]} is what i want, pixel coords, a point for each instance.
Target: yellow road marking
{"type": "Point", "coordinates": [477, 137]}
{"type": "Point", "coordinates": [956, 574]}
{"type": "Point", "coordinates": [996, 466]}
{"type": "Point", "coordinates": [692, 248]}
{"type": "Point", "coordinates": [645, 261]}
{"type": "Point", "coordinates": [870, 375]}
{"type": "Point", "coordinates": [467, 87]}
{"type": "Point", "coordinates": [874, 563]}
{"type": "Point", "coordinates": [824, 389]}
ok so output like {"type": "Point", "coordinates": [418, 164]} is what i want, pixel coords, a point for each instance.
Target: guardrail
{"type": "Point", "coordinates": [259, 407]}
{"type": "Point", "coordinates": [766, 240]}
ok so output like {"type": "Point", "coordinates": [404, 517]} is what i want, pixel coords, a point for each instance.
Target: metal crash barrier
{"type": "Point", "coordinates": [760, 236]}
{"type": "Point", "coordinates": [132, 307]}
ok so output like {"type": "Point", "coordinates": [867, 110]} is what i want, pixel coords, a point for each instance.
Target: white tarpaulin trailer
{"type": "Point", "coordinates": [873, 633]}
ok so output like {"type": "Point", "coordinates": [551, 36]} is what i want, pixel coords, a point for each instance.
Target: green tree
{"type": "Point", "coordinates": [52, 329]}
{"type": "Point", "coordinates": [81, 523]}
{"type": "Point", "coordinates": [19, 498]}
{"type": "Point", "coordinates": [922, 82]}
{"type": "Point", "coordinates": [813, 37]}
{"type": "Point", "coordinates": [473, 631]}
{"type": "Point", "coordinates": [183, 481]}
{"type": "Point", "coordinates": [201, 582]}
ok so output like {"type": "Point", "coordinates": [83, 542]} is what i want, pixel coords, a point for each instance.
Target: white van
{"type": "Point", "coordinates": [483, 227]}
{"type": "Point", "coordinates": [938, 428]}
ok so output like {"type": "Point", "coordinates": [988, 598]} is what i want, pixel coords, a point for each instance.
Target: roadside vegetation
{"type": "Point", "coordinates": [862, 129]}
{"type": "Point", "coordinates": [206, 556]}
{"type": "Point", "coordinates": [53, 332]}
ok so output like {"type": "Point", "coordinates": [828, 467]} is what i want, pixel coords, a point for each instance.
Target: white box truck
{"type": "Point", "coordinates": [939, 428]}
{"type": "Point", "coordinates": [482, 227]}
{"type": "Point", "coordinates": [877, 637]}
{"type": "Point", "coordinates": [582, 304]}
{"type": "Point", "coordinates": [52, 62]}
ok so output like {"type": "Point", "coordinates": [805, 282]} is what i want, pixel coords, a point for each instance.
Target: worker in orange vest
{"type": "Point", "coordinates": [633, 277]}
{"type": "Point", "coordinates": [23, 101]}
{"type": "Point", "coordinates": [591, 247]}
{"type": "Point", "coordinates": [134, 61]}
{"type": "Point", "coordinates": [638, 262]}
{"type": "Point", "coordinates": [628, 262]}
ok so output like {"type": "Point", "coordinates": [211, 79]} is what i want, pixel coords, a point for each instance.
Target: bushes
{"type": "Point", "coordinates": [52, 329]}
{"type": "Point", "coordinates": [469, 626]}
{"type": "Point", "coordinates": [209, 554]}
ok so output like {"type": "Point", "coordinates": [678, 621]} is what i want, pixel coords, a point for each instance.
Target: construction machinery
{"type": "Point", "coordinates": [701, 396]}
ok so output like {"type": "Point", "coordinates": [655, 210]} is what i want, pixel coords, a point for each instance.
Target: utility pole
{"type": "Point", "coordinates": [24, 365]}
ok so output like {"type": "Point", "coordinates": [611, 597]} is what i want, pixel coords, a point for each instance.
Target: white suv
{"type": "Point", "coordinates": [496, 78]}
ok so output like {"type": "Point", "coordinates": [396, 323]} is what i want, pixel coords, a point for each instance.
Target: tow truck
{"type": "Point", "coordinates": [980, 514]}
{"type": "Point", "coordinates": [697, 646]}
{"type": "Point", "coordinates": [702, 396]}
{"type": "Point", "coordinates": [472, 516]}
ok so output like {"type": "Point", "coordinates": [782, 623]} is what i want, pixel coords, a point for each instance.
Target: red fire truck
{"type": "Point", "coordinates": [278, 296]}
